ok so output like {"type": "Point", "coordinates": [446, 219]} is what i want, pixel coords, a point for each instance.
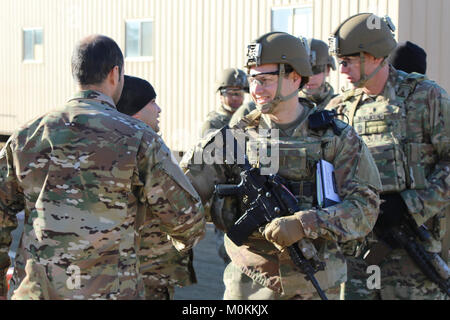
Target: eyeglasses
{"type": "Point", "coordinates": [346, 62]}
{"type": "Point", "coordinates": [264, 79]}
{"type": "Point", "coordinates": [232, 92]}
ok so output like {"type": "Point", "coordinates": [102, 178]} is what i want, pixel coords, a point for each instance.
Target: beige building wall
{"type": "Point", "coordinates": [427, 24]}
{"type": "Point", "coordinates": [328, 14]}
{"type": "Point", "coordinates": [194, 40]}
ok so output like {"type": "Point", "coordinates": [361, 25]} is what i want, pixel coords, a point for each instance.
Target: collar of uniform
{"type": "Point", "coordinates": [224, 111]}
{"type": "Point", "coordinates": [318, 98]}
{"type": "Point", "coordinates": [351, 94]}
{"type": "Point", "coordinates": [93, 95]}
{"type": "Point", "coordinates": [389, 89]}
{"type": "Point", "coordinates": [309, 108]}
{"type": "Point", "coordinates": [388, 92]}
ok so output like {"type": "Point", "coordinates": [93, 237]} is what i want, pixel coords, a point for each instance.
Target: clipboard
{"type": "Point", "coordinates": [326, 185]}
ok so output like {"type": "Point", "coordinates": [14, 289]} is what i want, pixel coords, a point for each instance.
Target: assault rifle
{"type": "Point", "coordinates": [266, 198]}
{"type": "Point", "coordinates": [406, 236]}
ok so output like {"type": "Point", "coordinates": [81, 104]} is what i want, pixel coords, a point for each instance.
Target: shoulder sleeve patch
{"type": "Point", "coordinates": [170, 166]}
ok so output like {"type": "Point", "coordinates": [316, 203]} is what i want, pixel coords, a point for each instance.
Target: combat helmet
{"type": "Point", "coordinates": [364, 32]}
{"type": "Point", "coordinates": [233, 77]}
{"type": "Point", "coordinates": [283, 49]}
{"type": "Point", "coordinates": [280, 48]}
{"type": "Point", "coordinates": [320, 56]}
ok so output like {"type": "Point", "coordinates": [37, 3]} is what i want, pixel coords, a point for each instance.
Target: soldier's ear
{"type": "Point", "coordinates": [296, 77]}
{"type": "Point", "coordinates": [113, 76]}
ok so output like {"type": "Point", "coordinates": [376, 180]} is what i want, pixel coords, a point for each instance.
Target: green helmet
{"type": "Point", "coordinates": [280, 48]}
{"type": "Point", "coordinates": [233, 77]}
{"type": "Point", "coordinates": [320, 55]}
{"type": "Point", "coordinates": [283, 49]}
{"type": "Point", "coordinates": [364, 32]}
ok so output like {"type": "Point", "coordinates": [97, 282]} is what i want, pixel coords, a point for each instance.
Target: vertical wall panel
{"type": "Point", "coordinates": [426, 24]}
{"type": "Point", "coordinates": [432, 37]}
{"type": "Point", "coordinates": [194, 40]}
{"type": "Point", "coordinates": [444, 63]}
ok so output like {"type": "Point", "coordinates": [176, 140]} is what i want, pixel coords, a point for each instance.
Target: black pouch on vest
{"type": "Point", "coordinates": [322, 120]}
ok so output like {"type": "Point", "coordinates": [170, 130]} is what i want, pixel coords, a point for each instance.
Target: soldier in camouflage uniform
{"type": "Point", "coordinates": [85, 174]}
{"type": "Point", "coordinates": [161, 265]}
{"type": "Point", "coordinates": [279, 67]}
{"type": "Point", "coordinates": [405, 121]}
{"type": "Point", "coordinates": [318, 90]}
{"type": "Point", "coordinates": [232, 87]}
{"type": "Point", "coordinates": [243, 110]}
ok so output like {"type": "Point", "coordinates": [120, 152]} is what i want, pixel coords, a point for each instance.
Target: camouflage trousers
{"type": "Point", "coordinates": [158, 288]}
{"type": "Point", "coordinates": [238, 286]}
{"type": "Point", "coordinates": [355, 288]}
{"type": "Point", "coordinates": [400, 279]}
{"type": "Point", "coordinates": [159, 293]}
{"type": "Point", "coordinates": [220, 246]}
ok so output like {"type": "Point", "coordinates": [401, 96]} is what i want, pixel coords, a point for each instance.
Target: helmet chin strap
{"type": "Point", "coordinates": [228, 108]}
{"type": "Point", "coordinates": [316, 93]}
{"type": "Point", "coordinates": [363, 77]}
{"type": "Point", "coordinates": [270, 107]}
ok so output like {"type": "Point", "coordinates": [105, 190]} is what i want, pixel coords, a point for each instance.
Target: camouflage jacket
{"type": "Point", "coordinates": [241, 112]}
{"type": "Point", "coordinates": [407, 129]}
{"type": "Point", "coordinates": [84, 174]}
{"type": "Point", "coordinates": [160, 263]}
{"type": "Point", "coordinates": [219, 210]}
{"type": "Point", "coordinates": [215, 120]}
{"type": "Point", "coordinates": [358, 183]}
{"type": "Point", "coordinates": [322, 99]}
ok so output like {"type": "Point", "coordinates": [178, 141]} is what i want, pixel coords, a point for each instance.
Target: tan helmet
{"type": "Point", "coordinates": [280, 48]}
{"type": "Point", "coordinates": [233, 77]}
{"type": "Point", "coordinates": [283, 49]}
{"type": "Point", "coordinates": [364, 32]}
{"type": "Point", "coordinates": [320, 54]}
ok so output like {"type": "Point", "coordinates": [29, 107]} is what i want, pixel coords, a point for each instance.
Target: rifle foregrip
{"type": "Point", "coordinates": [225, 190]}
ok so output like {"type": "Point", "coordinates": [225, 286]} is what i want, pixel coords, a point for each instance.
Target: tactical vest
{"type": "Point", "coordinates": [297, 157]}
{"type": "Point", "coordinates": [387, 127]}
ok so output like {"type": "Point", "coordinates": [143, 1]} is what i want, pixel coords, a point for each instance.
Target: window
{"type": "Point", "coordinates": [33, 45]}
{"type": "Point", "coordinates": [296, 21]}
{"type": "Point", "coordinates": [139, 38]}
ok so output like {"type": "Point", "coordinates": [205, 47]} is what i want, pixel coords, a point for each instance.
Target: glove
{"type": "Point", "coordinates": [284, 231]}
{"type": "Point", "coordinates": [392, 211]}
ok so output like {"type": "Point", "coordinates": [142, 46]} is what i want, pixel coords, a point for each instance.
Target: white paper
{"type": "Point", "coordinates": [325, 183]}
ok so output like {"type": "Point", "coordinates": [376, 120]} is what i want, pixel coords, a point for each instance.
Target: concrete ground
{"type": "Point", "coordinates": [209, 269]}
